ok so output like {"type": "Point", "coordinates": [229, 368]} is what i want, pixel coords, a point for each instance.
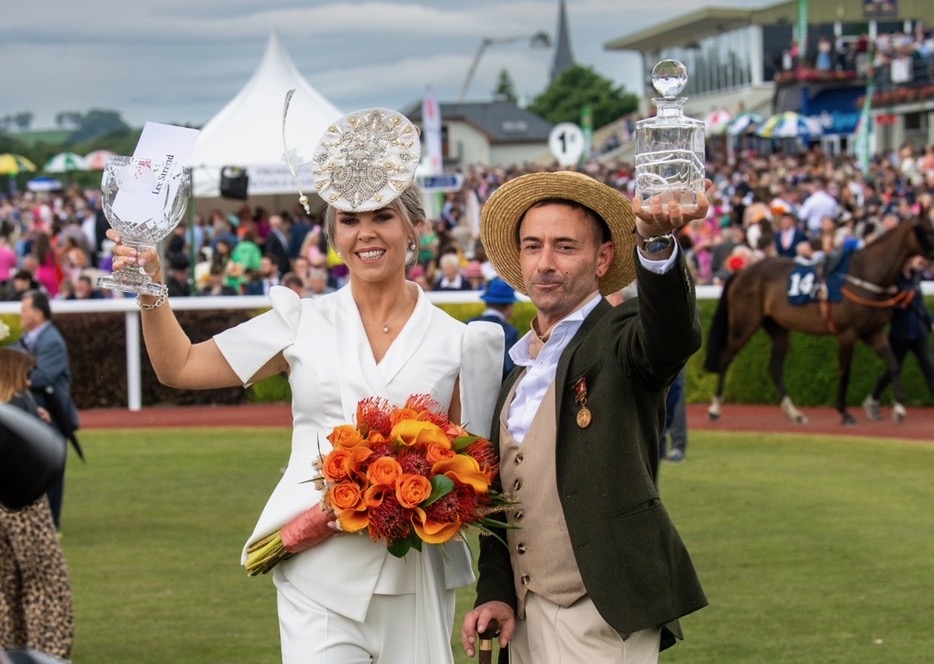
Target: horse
{"type": "Point", "coordinates": [758, 296]}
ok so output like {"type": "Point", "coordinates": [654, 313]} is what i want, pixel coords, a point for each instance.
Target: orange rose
{"type": "Point", "coordinates": [345, 435]}
{"type": "Point", "coordinates": [455, 430]}
{"type": "Point", "coordinates": [342, 463]}
{"type": "Point", "coordinates": [433, 532]}
{"type": "Point", "coordinates": [346, 496]}
{"type": "Point", "coordinates": [374, 437]}
{"type": "Point", "coordinates": [436, 453]}
{"type": "Point", "coordinates": [412, 432]}
{"type": "Point", "coordinates": [347, 501]}
{"type": "Point", "coordinates": [384, 470]}
{"type": "Point", "coordinates": [401, 414]}
{"type": "Point", "coordinates": [412, 489]}
{"type": "Point", "coordinates": [464, 469]}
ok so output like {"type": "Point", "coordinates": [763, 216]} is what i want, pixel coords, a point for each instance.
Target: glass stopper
{"type": "Point", "coordinates": [669, 78]}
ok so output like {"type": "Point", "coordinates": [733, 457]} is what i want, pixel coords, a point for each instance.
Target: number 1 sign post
{"type": "Point", "coordinates": [566, 142]}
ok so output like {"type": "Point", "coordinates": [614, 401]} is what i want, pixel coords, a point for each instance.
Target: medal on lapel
{"type": "Point", "coordinates": [580, 398]}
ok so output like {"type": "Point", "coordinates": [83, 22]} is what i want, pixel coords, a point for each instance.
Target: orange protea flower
{"type": "Point", "coordinates": [411, 489]}
{"type": "Point", "coordinates": [482, 450]}
{"type": "Point", "coordinates": [373, 415]}
{"type": "Point", "coordinates": [433, 532]}
{"type": "Point", "coordinates": [463, 469]}
{"type": "Point", "coordinates": [389, 521]}
{"type": "Point", "coordinates": [384, 470]}
{"type": "Point", "coordinates": [418, 432]}
{"type": "Point", "coordinates": [345, 435]}
{"type": "Point", "coordinates": [422, 403]}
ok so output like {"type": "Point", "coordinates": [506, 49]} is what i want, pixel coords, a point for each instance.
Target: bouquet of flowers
{"type": "Point", "coordinates": [404, 475]}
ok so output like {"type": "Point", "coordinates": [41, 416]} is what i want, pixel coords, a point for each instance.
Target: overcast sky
{"type": "Point", "coordinates": [181, 61]}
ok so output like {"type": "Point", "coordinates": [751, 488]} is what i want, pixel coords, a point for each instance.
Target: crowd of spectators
{"type": "Point", "coordinates": [798, 205]}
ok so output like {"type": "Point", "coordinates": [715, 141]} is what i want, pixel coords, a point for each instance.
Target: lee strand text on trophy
{"type": "Point", "coordinates": [145, 196]}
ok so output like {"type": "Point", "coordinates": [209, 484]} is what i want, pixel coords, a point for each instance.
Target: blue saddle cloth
{"type": "Point", "coordinates": [803, 284]}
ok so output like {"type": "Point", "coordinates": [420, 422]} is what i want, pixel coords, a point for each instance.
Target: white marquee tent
{"type": "Point", "coordinates": [247, 132]}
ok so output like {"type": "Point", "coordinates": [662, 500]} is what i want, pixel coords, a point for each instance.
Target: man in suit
{"type": "Point", "coordinates": [500, 300]}
{"type": "Point", "coordinates": [50, 381]}
{"type": "Point", "coordinates": [789, 236]}
{"type": "Point", "coordinates": [277, 244]}
{"type": "Point", "coordinates": [593, 570]}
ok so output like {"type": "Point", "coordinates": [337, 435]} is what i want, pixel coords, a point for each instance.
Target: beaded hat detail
{"type": "Point", "coordinates": [364, 160]}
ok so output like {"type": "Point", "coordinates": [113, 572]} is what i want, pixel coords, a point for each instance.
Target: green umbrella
{"type": "Point", "coordinates": [65, 162]}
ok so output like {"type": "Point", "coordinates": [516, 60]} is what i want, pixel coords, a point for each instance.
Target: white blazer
{"type": "Point", "coordinates": [331, 368]}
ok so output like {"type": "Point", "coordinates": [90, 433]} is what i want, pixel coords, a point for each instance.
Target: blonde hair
{"type": "Point", "coordinates": [15, 366]}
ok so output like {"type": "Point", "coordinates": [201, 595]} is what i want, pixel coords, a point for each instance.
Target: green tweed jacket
{"type": "Point", "coordinates": [633, 563]}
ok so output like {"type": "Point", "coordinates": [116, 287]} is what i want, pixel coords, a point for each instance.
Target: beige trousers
{"type": "Point", "coordinates": [551, 634]}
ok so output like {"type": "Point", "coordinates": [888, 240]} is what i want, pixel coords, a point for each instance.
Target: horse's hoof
{"type": "Point", "coordinates": [898, 413]}
{"type": "Point", "coordinates": [848, 420]}
{"type": "Point", "coordinates": [871, 406]}
{"type": "Point", "coordinates": [800, 418]}
{"type": "Point", "coordinates": [713, 416]}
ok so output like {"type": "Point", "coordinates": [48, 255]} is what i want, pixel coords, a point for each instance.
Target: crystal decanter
{"type": "Point", "coordinates": [670, 146]}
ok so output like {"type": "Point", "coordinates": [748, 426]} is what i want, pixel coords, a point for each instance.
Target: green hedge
{"type": "Point", "coordinates": [97, 341]}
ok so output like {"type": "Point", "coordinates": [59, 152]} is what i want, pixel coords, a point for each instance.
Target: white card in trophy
{"type": "Point", "coordinates": [142, 193]}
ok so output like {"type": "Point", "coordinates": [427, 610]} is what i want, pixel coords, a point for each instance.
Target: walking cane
{"type": "Point", "coordinates": [485, 654]}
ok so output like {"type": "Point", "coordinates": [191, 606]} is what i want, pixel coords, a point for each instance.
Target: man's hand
{"type": "Point", "coordinates": [478, 619]}
{"type": "Point", "coordinates": [659, 219]}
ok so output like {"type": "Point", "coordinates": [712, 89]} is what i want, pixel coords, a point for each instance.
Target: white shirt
{"type": "Point", "coordinates": [818, 205]}
{"type": "Point", "coordinates": [540, 372]}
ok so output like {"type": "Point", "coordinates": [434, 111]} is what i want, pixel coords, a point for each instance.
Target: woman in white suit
{"type": "Point", "coordinates": [346, 599]}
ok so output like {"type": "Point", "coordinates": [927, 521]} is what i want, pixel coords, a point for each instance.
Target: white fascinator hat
{"type": "Point", "coordinates": [362, 162]}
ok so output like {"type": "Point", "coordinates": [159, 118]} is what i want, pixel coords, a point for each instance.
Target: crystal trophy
{"type": "Point", "coordinates": [143, 200]}
{"type": "Point", "coordinates": [670, 146]}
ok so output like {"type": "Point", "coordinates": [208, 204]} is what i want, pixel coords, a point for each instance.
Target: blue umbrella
{"type": "Point", "coordinates": [743, 123]}
{"type": "Point", "coordinates": [44, 183]}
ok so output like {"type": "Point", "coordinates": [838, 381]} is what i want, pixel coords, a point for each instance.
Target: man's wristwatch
{"type": "Point", "coordinates": [657, 244]}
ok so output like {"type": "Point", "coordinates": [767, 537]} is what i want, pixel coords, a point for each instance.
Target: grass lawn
{"type": "Point", "coordinates": [810, 549]}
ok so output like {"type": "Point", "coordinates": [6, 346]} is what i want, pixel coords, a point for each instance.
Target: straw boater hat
{"type": "Point", "coordinates": [499, 222]}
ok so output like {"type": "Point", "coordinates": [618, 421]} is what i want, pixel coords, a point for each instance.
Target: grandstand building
{"type": "Point", "coordinates": [818, 62]}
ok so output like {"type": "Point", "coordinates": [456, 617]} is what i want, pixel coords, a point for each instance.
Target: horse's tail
{"type": "Point", "coordinates": [719, 329]}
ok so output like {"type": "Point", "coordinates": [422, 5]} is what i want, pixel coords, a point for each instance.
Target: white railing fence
{"type": "Point", "coordinates": [134, 337]}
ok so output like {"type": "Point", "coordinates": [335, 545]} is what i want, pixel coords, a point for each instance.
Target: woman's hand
{"type": "Point", "coordinates": [308, 529]}
{"type": "Point", "coordinates": [126, 256]}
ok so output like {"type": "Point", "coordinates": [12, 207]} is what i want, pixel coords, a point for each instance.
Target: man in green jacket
{"type": "Point", "coordinates": [592, 568]}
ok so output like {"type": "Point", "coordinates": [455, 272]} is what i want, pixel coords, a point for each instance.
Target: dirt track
{"type": "Point", "coordinates": [919, 424]}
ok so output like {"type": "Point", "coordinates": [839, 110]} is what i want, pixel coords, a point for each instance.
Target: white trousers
{"type": "Point", "coordinates": [551, 634]}
{"type": "Point", "coordinates": [312, 634]}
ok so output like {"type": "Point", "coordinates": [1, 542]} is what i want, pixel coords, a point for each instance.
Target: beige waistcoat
{"type": "Point", "coordinates": [539, 546]}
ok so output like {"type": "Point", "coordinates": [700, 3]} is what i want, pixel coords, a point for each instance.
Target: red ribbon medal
{"type": "Point", "coordinates": [584, 416]}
